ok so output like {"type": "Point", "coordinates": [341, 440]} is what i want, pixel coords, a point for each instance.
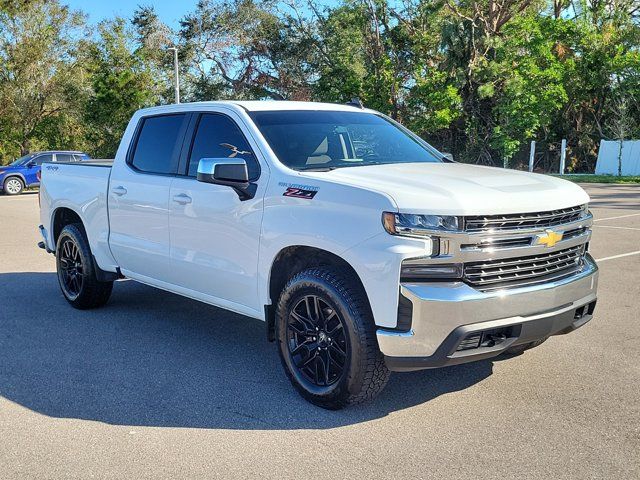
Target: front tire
{"type": "Point", "coordinates": [13, 186]}
{"type": "Point", "coordinates": [76, 271]}
{"type": "Point", "coordinates": [327, 339]}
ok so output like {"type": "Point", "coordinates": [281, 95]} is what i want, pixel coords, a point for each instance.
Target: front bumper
{"type": "Point", "coordinates": [445, 314]}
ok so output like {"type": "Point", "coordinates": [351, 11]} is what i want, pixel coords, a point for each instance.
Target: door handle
{"type": "Point", "coordinates": [119, 191]}
{"type": "Point", "coordinates": [182, 199]}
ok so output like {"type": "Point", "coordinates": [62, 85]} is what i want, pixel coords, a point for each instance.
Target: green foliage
{"type": "Point", "coordinates": [39, 78]}
{"type": "Point", "coordinates": [477, 78]}
{"type": "Point", "coordinates": [600, 179]}
{"type": "Point", "coordinates": [122, 82]}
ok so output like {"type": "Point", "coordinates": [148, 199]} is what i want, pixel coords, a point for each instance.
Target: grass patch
{"type": "Point", "coordinates": [600, 179]}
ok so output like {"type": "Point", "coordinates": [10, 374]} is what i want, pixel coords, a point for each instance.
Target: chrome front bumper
{"type": "Point", "coordinates": [445, 313]}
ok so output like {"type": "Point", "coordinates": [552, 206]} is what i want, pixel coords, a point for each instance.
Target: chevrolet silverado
{"type": "Point", "coordinates": [362, 248]}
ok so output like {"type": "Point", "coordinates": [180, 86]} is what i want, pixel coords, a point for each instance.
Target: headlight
{"type": "Point", "coordinates": [584, 210]}
{"type": "Point", "coordinates": [419, 225]}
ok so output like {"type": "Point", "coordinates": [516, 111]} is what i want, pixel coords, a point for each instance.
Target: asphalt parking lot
{"type": "Point", "coordinates": [158, 386]}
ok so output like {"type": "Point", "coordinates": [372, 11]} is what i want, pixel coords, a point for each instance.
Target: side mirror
{"type": "Point", "coordinates": [31, 164]}
{"type": "Point", "coordinates": [448, 156]}
{"type": "Point", "coordinates": [230, 172]}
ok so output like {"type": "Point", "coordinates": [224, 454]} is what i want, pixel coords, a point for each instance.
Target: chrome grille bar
{"type": "Point", "coordinates": [522, 221]}
{"type": "Point", "coordinates": [516, 272]}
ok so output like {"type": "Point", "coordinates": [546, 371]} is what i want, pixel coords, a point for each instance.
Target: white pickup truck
{"type": "Point", "coordinates": [363, 248]}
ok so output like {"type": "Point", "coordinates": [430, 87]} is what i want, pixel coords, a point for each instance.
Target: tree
{"type": "Point", "coordinates": [620, 122]}
{"type": "Point", "coordinates": [477, 78]}
{"type": "Point", "coordinates": [41, 82]}
{"type": "Point", "coordinates": [122, 81]}
{"type": "Point", "coordinates": [151, 44]}
{"type": "Point", "coordinates": [243, 49]}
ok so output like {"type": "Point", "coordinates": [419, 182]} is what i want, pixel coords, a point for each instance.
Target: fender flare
{"type": "Point", "coordinates": [101, 275]}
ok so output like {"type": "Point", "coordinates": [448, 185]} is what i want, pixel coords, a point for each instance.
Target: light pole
{"type": "Point", "coordinates": [176, 74]}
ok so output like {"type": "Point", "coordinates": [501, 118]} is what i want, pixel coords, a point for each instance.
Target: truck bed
{"type": "Point", "coordinates": [81, 187]}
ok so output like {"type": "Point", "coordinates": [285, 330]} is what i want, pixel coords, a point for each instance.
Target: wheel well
{"type": "Point", "coordinates": [14, 175]}
{"type": "Point", "coordinates": [292, 260]}
{"type": "Point", "coordinates": [62, 218]}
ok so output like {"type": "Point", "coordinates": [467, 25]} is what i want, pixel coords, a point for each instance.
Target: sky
{"type": "Point", "coordinates": [170, 11]}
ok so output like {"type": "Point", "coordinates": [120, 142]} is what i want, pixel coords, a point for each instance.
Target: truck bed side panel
{"type": "Point", "coordinates": [82, 188]}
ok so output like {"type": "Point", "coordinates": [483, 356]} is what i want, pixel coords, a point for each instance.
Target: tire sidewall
{"type": "Point", "coordinates": [351, 379]}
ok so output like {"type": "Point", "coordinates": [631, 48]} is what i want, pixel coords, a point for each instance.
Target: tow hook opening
{"type": "Point", "coordinates": [585, 310]}
{"type": "Point", "coordinates": [485, 339]}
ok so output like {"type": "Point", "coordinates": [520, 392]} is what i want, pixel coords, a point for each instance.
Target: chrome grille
{"type": "Point", "coordinates": [515, 242]}
{"type": "Point", "coordinates": [522, 221]}
{"type": "Point", "coordinates": [498, 243]}
{"type": "Point", "coordinates": [524, 271]}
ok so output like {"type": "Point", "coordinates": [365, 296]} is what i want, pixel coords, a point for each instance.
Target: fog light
{"type": "Point", "coordinates": [416, 269]}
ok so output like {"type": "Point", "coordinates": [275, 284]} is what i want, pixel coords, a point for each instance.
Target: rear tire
{"type": "Point", "coordinates": [327, 339]}
{"type": "Point", "coordinates": [13, 186]}
{"type": "Point", "coordinates": [76, 271]}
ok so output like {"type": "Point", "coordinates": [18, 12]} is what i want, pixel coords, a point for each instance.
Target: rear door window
{"type": "Point", "coordinates": [218, 136]}
{"type": "Point", "coordinates": [64, 157]}
{"type": "Point", "coordinates": [158, 144]}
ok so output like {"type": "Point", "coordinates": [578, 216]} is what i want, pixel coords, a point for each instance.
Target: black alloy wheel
{"type": "Point", "coordinates": [71, 269]}
{"type": "Point", "coordinates": [318, 345]}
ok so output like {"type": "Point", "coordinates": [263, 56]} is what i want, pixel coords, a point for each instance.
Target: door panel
{"type": "Point", "coordinates": [215, 236]}
{"type": "Point", "coordinates": [214, 241]}
{"type": "Point", "coordinates": [31, 173]}
{"type": "Point", "coordinates": [139, 222]}
{"type": "Point", "coordinates": [139, 198]}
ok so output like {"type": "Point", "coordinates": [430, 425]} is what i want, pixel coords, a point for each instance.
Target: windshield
{"type": "Point", "coordinates": [321, 140]}
{"type": "Point", "coordinates": [21, 160]}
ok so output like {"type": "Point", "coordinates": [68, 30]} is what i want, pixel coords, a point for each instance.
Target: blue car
{"type": "Point", "coordinates": [25, 171]}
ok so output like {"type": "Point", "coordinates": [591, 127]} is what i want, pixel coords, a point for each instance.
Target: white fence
{"type": "Point", "coordinates": [608, 157]}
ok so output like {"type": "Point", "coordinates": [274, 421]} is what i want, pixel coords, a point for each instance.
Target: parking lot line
{"type": "Point", "coordinates": [637, 252]}
{"type": "Point", "coordinates": [621, 228]}
{"type": "Point", "coordinates": [614, 218]}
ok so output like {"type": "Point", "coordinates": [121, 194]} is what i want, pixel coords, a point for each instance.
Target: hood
{"type": "Point", "coordinates": [461, 189]}
{"type": "Point", "coordinates": [4, 168]}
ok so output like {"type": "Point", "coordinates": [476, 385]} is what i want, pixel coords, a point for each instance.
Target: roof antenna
{"type": "Point", "coordinates": [356, 102]}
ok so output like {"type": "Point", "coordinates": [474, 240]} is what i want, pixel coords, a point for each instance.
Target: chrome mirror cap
{"type": "Point", "coordinates": [223, 170]}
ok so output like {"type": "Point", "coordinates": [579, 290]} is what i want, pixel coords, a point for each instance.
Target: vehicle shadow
{"type": "Point", "coordinates": [150, 358]}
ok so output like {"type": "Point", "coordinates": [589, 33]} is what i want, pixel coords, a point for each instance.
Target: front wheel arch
{"type": "Point", "coordinates": [294, 259]}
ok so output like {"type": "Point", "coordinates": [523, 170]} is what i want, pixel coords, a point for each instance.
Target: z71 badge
{"type": "Point", "coordinates": [299, 191]}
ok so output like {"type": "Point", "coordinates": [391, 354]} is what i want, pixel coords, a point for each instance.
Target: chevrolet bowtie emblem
{"type": "Point", "coordinates": [549, 238]}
